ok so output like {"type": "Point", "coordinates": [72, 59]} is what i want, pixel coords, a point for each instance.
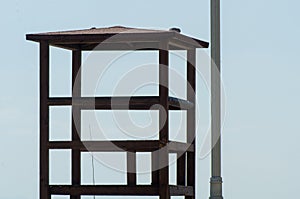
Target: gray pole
{"type": "Point", "coordinates": [216, 179]}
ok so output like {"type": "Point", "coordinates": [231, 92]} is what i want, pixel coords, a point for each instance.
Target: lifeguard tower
{"type": "Point", "coordinates": [127, 39]}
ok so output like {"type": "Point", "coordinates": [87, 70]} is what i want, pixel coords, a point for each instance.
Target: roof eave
{"type": "Point", "coordinates": [177, 39]}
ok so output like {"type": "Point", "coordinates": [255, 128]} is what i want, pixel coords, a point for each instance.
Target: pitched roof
{"type": "Point", "coordinates": [87, 39]}
{"type": "Point", "coordinates": [106, 30]}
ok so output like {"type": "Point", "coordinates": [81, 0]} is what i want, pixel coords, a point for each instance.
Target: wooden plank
{"type": "Point", "coordinates": [99, 38]}
{"type": "Point", "coordinates": [68, 46]}
{"type": "Point", "coordinates": [164, 191]}
{"type": "Point", "coordinates": [137, 46]}
{"type": "Point", "coordinates": [107, 146]}
{"type": "Point", "coordinates": [44, 120]}
{"type": "Point", "coordinates": [145, 46]}
{"type": "Point", "coordinates": [115, 190]}
{"type": "Point", "coordinates": [191, 116]}
{"type": "Point", "coordinates": [140, 190]}
{"type": "Point", "coordinates": [76, 119]}
{"type": "Point", "coordinates": [124, 145]}
{"type": "Point", "coordinates": [119, 103]}
{"type": "Point", "coordinates": [131, 168]}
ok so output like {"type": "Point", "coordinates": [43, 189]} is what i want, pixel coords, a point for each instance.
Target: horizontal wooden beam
{"type": "Point", "coordinates": [121, 46]}
{"type": "Point", "coordinates": [141, 190]}
{"type": "Point", "coordinates": [68, 46]}
{"type": "Point", "coordinates": [106, 146]}
{"type": "Point", "coordinates": [120, 146]}
{"type": "Point", "coordinates": [103, 190]}
{"type": "Point", "coordinates": [119, 103]}
{"type": "Point", "coordinates": [98, 38]}
{"type": "Point", "coordinates": [188, 42]}
{"type": "Point", "coordinates": [133, 46]}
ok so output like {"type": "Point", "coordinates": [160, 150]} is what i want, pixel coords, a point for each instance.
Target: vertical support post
{"type": "Point", "coordinates": [216, 179]}
{"type": "Point", "coordinates": [191, 118]}
{"type": "Point", "coordinates": [154, 167]}
{"type": "Point", "coordinates": [76, 118]}
{"type": "Point", "coordinates": [181, 168]}
{"type": "Point", "coordinates": [44, 120]}
{"type": "Point", "coordinates": [164, 191]}
{"type": "Point", "coordinates": [131, 168]}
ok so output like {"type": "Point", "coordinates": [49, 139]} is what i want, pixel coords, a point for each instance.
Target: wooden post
{"type": "Point", "coordinates": [44, 120]}
{"type": "Point", "coordinates": [131, 168]}
{"type": "Point", "coordinates": [216, 179]}
{"type": "Point", "coordinates": [155, 167]}
{"type": "Point", "coordinates": [191, 118]}
{"type": "Point", "coordinates": [181, 168]}
{"type": "Point", "coordinates": [76, 118]}
{"type": "Point", "coordinates": [164, 191]}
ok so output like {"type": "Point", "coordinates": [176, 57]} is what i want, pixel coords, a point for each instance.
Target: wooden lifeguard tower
{"type": "Point", "coordinates": [127, 39]}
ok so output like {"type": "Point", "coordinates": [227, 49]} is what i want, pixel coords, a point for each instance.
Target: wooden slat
{"type": "Point", "coordinates": [119, 103]}
{"type": "Point", "coordinates": [44, 120]}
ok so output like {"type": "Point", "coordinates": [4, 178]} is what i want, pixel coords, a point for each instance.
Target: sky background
{"type": "Point", "coordinates": [260, 67]}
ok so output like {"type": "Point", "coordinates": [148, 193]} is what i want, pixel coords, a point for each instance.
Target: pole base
{"type": "Point", "coordinates": [216, 187]}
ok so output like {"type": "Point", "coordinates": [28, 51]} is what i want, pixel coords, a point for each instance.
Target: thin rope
{"type": "Point", "coordinates": [93, 165]}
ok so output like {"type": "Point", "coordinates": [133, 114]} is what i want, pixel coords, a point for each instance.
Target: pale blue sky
{"type": "Point", "coordinates": [260, 46]}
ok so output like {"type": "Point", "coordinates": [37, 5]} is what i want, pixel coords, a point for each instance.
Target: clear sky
{"type": "Point", "coordinates": [260, 67]}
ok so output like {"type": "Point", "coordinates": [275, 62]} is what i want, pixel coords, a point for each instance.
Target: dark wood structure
{"type": "Point", "coordinates": [120, 38]}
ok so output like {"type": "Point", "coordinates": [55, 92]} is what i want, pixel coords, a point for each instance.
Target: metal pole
{"type": "Point", "coordinates": [216, 179]}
